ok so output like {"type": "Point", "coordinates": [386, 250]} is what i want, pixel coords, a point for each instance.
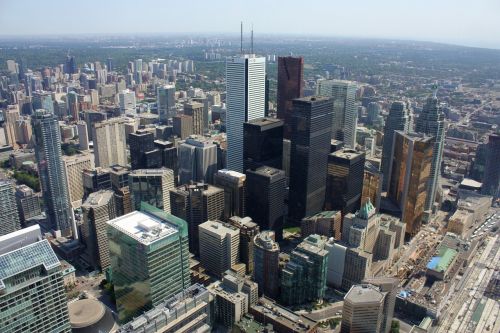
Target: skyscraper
{"type": "Point", "coordinates": [266, 263]}
{"type": "Point", "coordinates": [372, 185]}
{"type": "Point", "coordinates": [397, 120]}
{"type": "Point", "coordinates": [197, 160]}
{"type": "Point", "coordinates": [363, 310]}
{"type": "Point", "coordinates": [149, 260]}
{"type": "Point", "coordinates": [491, 182]}
{"type": "Point", "coordinates": [28, 204]}
{"type": "Point", "coordinates": [182, 126]}
{"type": "Point", "coordinates": [196, 204]}
{"type": "Point", "coordinates": [165, 101]}
{"type": "Point", "coordinates": [431, 122]}
{"type": "Point", "coordinates": [290, 86]}
{"type": "Point", "coordinates": [73, 168]}
{"type": "Point", "coordinates": [345, 180]}
{"type": "Point", "coordinates": [345, 115]}
{"type": "Point", "coordinates": [109, 143]}
{"type": "Point", "coordinates": [265, 198]}
{"type": "Point", "coordinates": [83, 136]}
{"type": "Point", "coordinates": [98, 209]}
{"type": "Point", "coordinates": [126, 99]}
{"type": "Point", "coordinates": [233, 184]}
{"type": "Point", "coordinates": [50, 167]}
{"type": "Point", "coordinates": [151, 186]}
{"type": "Point", "coordinates": [409, 173]}
{"type": "Point", "coordinates": [310, 145]}
{"type": "Point", "coordinates": [263, 143]}
{"type": "Point", "coordinates": [195, 110]}
{"type": "Point", "coordinates": [32, 296]}
{"type": "Point", "coordinates": [140, 142]}
{"type": "Point", "coordinates": [248, 230]}
{"type": "Point", "coordinates": [9, 215]}
{"type": "Point", "coordinates": [245, 88]}
{"type": "Point", "coordinates": [388, 286]}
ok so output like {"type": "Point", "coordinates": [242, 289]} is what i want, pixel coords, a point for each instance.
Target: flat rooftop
{"type": "Point", "coordinates": [142, 227]}
{"type": "Point", "coordinates": [266, 122]}
{"type": "Point", "coordinates": [364, 293]}
{"type": "Point", "coordinates": [348, 154]}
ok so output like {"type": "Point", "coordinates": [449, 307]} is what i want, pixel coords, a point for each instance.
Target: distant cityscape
{"type": "Point", "coordinates": [248, 184]}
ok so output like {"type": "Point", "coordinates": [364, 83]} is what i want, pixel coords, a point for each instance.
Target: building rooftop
{"type": "Point", "coordinates": [348, 154]}
{"type": "Point", "coordinates": [150, 172]}
{"type": "Point", "coordinates": [85, 312]}
{"type": "Point", "coordinates": [327, 214]}
{"type": "Point", "coordinates": [266, 123]}
{"type": "Point", "coordinates": [364, 293]}
{"type": "Point", "coordinates": [219, 228]}
{"type": "Point", "coordinates": [442, 260]}
{"type": "Point", "coordinates": [471, 183]}
{"type": "Point", "coordinates": [265, 239]}
{"type": "Point", "coordinates": [96, 199]}
{"type": "Point", "coordinates": [231, 173]}
{"type": "Point", "coordinates": [282, 315]}
{"type": "Point", "coordinates": [20, 238]}
{"type": "Point", "coordinates": [144, 228]}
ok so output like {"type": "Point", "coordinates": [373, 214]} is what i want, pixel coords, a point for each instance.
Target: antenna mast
{"type": "Point", "coordinates": [251, 40]}
{"type": "Point", "coordinates": [241, 38]}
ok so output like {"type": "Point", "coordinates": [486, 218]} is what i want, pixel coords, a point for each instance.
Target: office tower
{"type": "Point", "coordinates": [374, 109]}
{"type": "Point", "coordinates": [372, 185]}
{"type": "Point", "coordinates": [195, 110]}
{"type": "Point", "coordinates": [290, 86]}
{"type": "Point", "coordinates": [327, 223]}
{"type": "Point", "coordinates": [151, 186]}
{"type": "Point", "coordinates": [50, 168]}
{"type": "Point", "coordinates": [397, 120]}
{"type": "Point", "coordinates": [303, 279]}
{"type": "Point", "coordinates": [266, 263]}
{"type": "Point", "coordinates": [83, 137]}
{"type": "Point", "coordinates": [140, 142]}
{"type": "Point", "coordinates": [165, 101]}
{"type": "Point", "coordinates": [431, 122]}
{"type": "Point", "coordinates": [361, 230]}
{"type": "Point", "coordinates": [73, 108]}
{"type": "Point", "coordinates": [248, 231]}
{"type": "Point", "coordinates": [43, 100]}
{"type": "Point", "coordinates": [95, 179]}
{"type": "Point", "coordinates": [412, 155]}
{"type": "Point", "coordinates": [109, 64]}
{"type": "Point", "coordinates": [345, 115]}
{"type": "Point", "coordinates": [183, 126]}
{"type": "Point", "coordinates": [344, 184]}
{"type": "Point", "coordinates": [245, 99]}
{"type": "Point", "coordinates": [491, 178]}
{"type": "Point", "coordinates": [389, 287]}
{"type": "Point", "coordinates": [71, 65]}
{"type": "Point", "coordinates": [126, 100]}
{"type": "Point", "coordinates": [263, 143]}
{"type": "Point", "coordinates": [169, 156]}
{"type": "Point", "coordinates": [109, 143]}
{"type": "Point", "coordinates": [233, 184]}
{"type": "Point", "coordinates": [138, 71]}
{"type": "Point", "coordinates": [363, 310]}
{"type": "Point", "coordinates": [196, 204]}
{"type": "Point", "coordinates": [197, 160]}
{"type": "Point", "coordinates": [9, 216]}
{"type": "Point", "coordinates": [149, 260]}
{"type": "Point", "coordinates": [98, 209]}
{"type": "Point", "coordinates": [119, 176]}
{"type": "Point", "coordinates": [171, 316]}
{"type": "Point", "coordinates": [219, 245]}
{"type": "Point", "coordinates": [92, 118]}
{"type": "Point", "coordinates": [28, 204]}
{"type": "Point", "coordinates": [73, 168]}
{"type": "Point", "coordinates": [32, 297]}
{"type": "Point", "coordinates": [310, 146]}
{"type": "Point", "coordinates": [265, 198]}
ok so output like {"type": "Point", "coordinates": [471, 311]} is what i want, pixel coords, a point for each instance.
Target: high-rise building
{"type": "Point", "coordinates": [197, 160]}
{"type": "Point", "coordinates": [263, 143]}
{"type": "Point", "coordinates": [83, 137]}
{"type": "Point", "coordinates": [149, 260]}
{"type": "Point", "coordinates": [233, 184]}
{"type": "Point", "coordinates": [165, 101]}
{"type": "Point", "coordinates": [73, 105]}
{"type": "Point", "coordinates": [219, 246]}
{"type": "Point", "coordinates": [182, 126]}
{"type": "Point", "coordinates": [310, 145]}
{"type": "Point", "coordinates": [98, 209]}
{"type": "Point", "coordinates": [126, 100]}
{"type": "Point", "coordinates": [151, 186]}
{"type": "Point", "coordinates": [363, 310]}
{"type": "Point", "coordinates": [195, 111]}
{"type": "Point", "coordinates": [73, 168]}
{"type": "Point", "coordinates": [43, 100]}
{"type": "Point", "coordinates": [491, 182]}
{"type": "Point", "coordinates": [408, 176]}
{"type": "Point", "coordinates": [265, 198]}
{"type": "Point", "coordinates": [109, 143]}
{"type": "Point", "coordinates": [290, 86]}
{"type": "Point", "coordinates": [92, 118]}
{"type": "Point", "coordinates": [32, 296]}
{"type": "Point", "coordinates": [140, 142]}
{"type": "Point", "coordinates": [28, 204]}
{"type": "Point", "coordinates": [245, 99]}
{"type": "Point", "coordinates": [96, 179]}
{"type": "Point", "coordinates": [266, 263]}
{"type": "Point", "coordinates": [431, 122]}
{"type": "Point", "coordinates": [9, 215]}
{"type": "Point", "coordinates": [109, 64]}
{"type": "Point", "coordinates": [387, 286]}
{"type": "Point", "coordinates": [345, 114]}
{"type": "Point", "coordinates": [327, 223]}
{"type": "Point", "coordinates": [196, 204]}
{"type": "Point", "coordinates": [303, 279]}
{"type": "Point", "coordinates": [50, 168]}
{"type": "Point", "coordinates": [344, 184]}
{"type": "Point", "coordinates": [372, 185]}
{"type": "Point", "coordinates": [248, 231]}
{"type": "Point", "coordinates": [397, 120]}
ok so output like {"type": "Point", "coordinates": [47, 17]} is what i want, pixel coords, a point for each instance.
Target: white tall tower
{"type": "Point", "coordinates": [246, 98]}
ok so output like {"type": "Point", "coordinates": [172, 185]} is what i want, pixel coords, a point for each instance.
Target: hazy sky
{"type": "Point", "coordinates": [467, 22]}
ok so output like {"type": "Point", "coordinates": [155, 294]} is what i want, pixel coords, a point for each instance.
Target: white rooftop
{"type": "Point", "coordinates": [232, 173]}
{"type": "Point", "coordinates": [142, 227]}
{"type": "Point", "coordinates": [20, 238]}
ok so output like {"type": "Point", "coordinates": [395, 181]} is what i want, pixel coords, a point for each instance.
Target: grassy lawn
{"type": "Point", "coordinates": [292, 230]}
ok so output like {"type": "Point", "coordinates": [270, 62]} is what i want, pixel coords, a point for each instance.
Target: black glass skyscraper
{"type": "Point", "coordinates": [140, 143]}
{"type": "Point", "coordinates": [263, 143]}
{"type": "Point", "coordinates": [311, 121]}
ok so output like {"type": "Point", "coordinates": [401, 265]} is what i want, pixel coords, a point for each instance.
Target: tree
{"type": "Point", "coordinates": [395, 326]}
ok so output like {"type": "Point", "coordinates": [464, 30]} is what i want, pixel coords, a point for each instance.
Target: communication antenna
{"type": "Point", "coordinates": [251, 40]}
{"type": "Point", "coordinates": [241, 38]}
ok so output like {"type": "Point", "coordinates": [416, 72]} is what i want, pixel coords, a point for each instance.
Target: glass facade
{"type": "Point", "coordinates": [290, 86]}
